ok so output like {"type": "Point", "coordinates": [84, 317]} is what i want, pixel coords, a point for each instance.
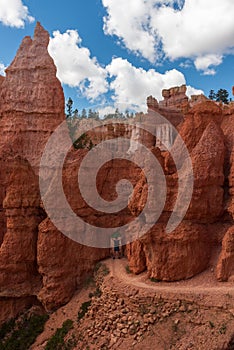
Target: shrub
{"type": "Point", "coordinates": [97, 267]}
{"type": "Point", "coordinates": [155, 280]}
{"type": "Point", "coordinates": [97, 293]}
{"type": "Point", "coordinates": [84, 141]}
{"type": "Point", "coordinates": [127, 268]}
{"type": "Point", "coordinates": [89, 282]}
{"type": "Point", "coordinates": [105, 270]}
{"type": "Point", "coordinates": [83, 309]}
{"type": "Point", "coordinates": [22, 335]}
{"type": "Point", "coordinates": [223, 329]}
{"type": "Point", "coordinates": [102, 269]}
{"type": "Point", "coordinates": [6, 328]}
{"type": "Point", "coordinates": [56, 342]}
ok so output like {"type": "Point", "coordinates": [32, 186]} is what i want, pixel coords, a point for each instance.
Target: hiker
{"type": "Point", "coordinates": [116, 239]}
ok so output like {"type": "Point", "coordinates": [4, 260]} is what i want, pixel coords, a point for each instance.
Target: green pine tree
{"type": "Point", "coordinates": [212, 95]}
{"type": "Point", "coordinates": [69, 105]}
{"type": "Point", "coordinates": [222, 96]}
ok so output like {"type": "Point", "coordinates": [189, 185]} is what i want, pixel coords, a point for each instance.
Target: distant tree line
{"type": "Point", "coordinates": [221, 95]}
{"type": "Point", "coordinates": [75, 114]}
{"type": "Point", "coordinates": [73, 117]}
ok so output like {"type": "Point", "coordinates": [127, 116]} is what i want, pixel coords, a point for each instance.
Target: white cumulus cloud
{"type": "Point", "coordinates": [129, 20]}
{"type": "Point", "coordinates": [132, 85]}
{"type": "Point", "coordinates": [104, 110]}
{"type": "Point", "coordinates": [75, 65]}
{"type": "Point", "coordinates": [175, 29]}
{"type": "Point", "coordinates": [14, 13]}
{"type": "Point", "coordinates": [205, 62]}
{"type": "Point", "coordinates": [126, 85]}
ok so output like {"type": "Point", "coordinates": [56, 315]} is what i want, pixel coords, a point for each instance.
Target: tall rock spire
{"type": "Point", "coordinates": [31, 98]}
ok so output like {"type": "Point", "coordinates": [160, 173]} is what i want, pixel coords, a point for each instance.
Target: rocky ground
{"type": "Point", "coordinates": [132, 312]}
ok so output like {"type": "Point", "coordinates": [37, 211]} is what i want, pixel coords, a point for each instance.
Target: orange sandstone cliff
{"type": "Point", "coordinates": [38, 264]}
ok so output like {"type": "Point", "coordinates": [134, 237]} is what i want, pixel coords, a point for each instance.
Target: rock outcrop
{"type": "Point", "coordinates": [31, 98]}
{"type": "Point", "coordinates": [171, 257]}
{"type": "Point", "coordinates": [179, 255]}
{"type": "Point", "coordinates": [228, 130]}
{"type": "Point", "coordinates": [195, 99]}
{"type": "Point", "coordinates": [21, 206]}
{"type": "Point", "coordinates": [136, 257]}
{"type": "Point", "coordinates": [208, 160]}
{"type": "Point", "coordinates": [152, 103]}
{"type": "Point", "coordinates": [196, 121]}
{"type": "Point", "coordinates": [63, 265]}
{"type": "Point", "coordinates": [62, 262]}
{"type": "Point", "coordinates": [21, 214]}
{"type": "Point", "coordinates": [31, 107]}
{"type": "Point", "coordinates": [38, 264]}
{"type": "Point", "coordinates": [1, 79]}
{"type": "Point", "coordinates": [175, 98]}
{"type": "Point", "coordinates": [225, 266]}
{"type": "Point", "coordinates": [207, 150]}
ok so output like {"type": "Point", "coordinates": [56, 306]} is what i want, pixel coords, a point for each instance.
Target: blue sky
{"type": "Point", "coordinates": [119, 52]}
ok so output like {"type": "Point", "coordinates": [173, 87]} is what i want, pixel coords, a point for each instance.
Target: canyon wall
{"type": "Point", "coordinates": [38, 264]}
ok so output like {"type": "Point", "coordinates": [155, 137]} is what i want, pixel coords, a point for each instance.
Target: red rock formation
{"type": "Point", "coordinates": [31, 98]}
{"type": "Point", "coordinates": [19, 277]}
{"type": "Point", "coordinates": [45, 265]}
{"type": "Point", "coordinates": [196, 99]}
{"type": "Point", "coordinates": [196, 121]}
{"type": "Point", "coordinates": [208, 160]}
{"type": "Point", "coordinates": [206, 146]}
{"type": "Point", "coordinates": [31, 107]}
{"type": "Point", "coordinates": [136, 257]}
{"type": "Point", "coordinates": [171, 108]}
{"type": "Point", "coordinates": [175, 98]}
{"type": "Point", "coordinates": [228, 130]}
{"type": "Point", "coordinates": [49, 265]}
{"type": "Point", "coordinates": [63, 265]}
{"type": "Point", "coordinates": [178, 255]}
{"type": "Point", "coordinates": [62, 262]}
{"type": "Point", "coordinates": [225, 266]}
{"type": "Point", "coordinates": [1, 79]}
{"type": "Point", "coordinates": [152, 103]}
{"type": "Point", "coordinates": [226, 260]}
{"type": "Point", "coordinates": [174, 116]}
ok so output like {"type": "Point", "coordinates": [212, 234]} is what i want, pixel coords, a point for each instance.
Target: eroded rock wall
{"type": "Point", "coordinates": [45, 266]}
{"type": "Point", "coordinates": [36, 261]}
{"type": "Point", "coordinates": [186, 251]}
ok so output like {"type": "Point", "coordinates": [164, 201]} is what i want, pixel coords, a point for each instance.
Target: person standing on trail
{"type": "Point", "coordinates": [116, 245]}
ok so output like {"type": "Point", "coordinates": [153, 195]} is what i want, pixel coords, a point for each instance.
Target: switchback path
{"type": "Point", "coordinates": [203, 286]}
